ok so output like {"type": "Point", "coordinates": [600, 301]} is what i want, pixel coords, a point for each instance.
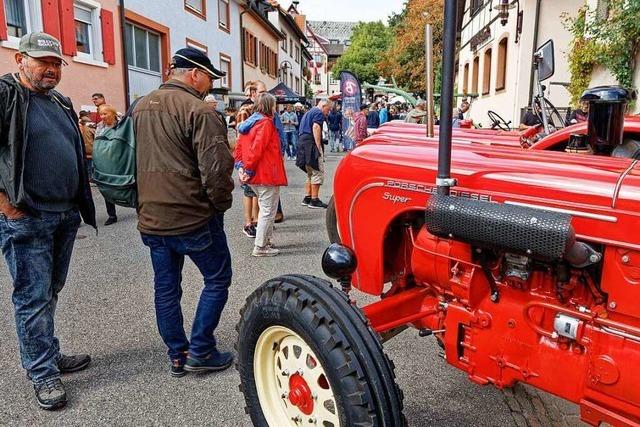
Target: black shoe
{"type": "Point", "coordinates": [317, 204]}
{"type": "Point", "coordinates": [249, 231]}
{"type": "Point", "coordinates": [51, 394]}
{"type": "Point", "coordinates": [111, 220]}
{"type": "Point", "coordinates": [68, 364]}
{"type": "Point", "coordinates": [216, 361]}
{"type": "Point", "coordinates": [177, 368]}
{"type": "Point", "coordinates": [306, 200]}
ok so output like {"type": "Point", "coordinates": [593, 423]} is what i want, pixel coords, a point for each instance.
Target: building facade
{"type": "Point", "coordinates": [153, 33]}
{"type": "Point", "coordinates": [260, 44]}
{"type": "Point", "coordinates": [290, 61]}
{"type": "Point", "coordinates": [91, 44]}
{"type": "Point", "coordinates": [335, 38]}
{"type": "Point", "coordinates": [495, 60]}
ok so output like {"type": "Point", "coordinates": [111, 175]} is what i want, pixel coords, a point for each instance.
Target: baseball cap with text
{"type": "Point", "coordinates": [40, 45]}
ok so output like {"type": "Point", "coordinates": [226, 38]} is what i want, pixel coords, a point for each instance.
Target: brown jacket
{"type": "Point", "coordinates": [88, 135]}
{"type": "Point", "coordinates": [184, 164]}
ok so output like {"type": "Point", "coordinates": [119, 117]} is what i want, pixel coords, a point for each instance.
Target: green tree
{"type": "Point", "coordinates": [404, 59]}
{"type": "Point", "coordinates": [369, 41]}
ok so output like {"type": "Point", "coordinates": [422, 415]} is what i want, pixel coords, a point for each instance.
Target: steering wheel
{"type": "Point", "coordinates": [498, 122]}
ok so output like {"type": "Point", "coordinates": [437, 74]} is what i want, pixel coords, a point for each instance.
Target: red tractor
{"type": "Point", "coordinates": [523, 264]}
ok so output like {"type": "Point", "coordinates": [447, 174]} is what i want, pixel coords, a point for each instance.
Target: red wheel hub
{"type": "Point", "coordinates": [300, 394]}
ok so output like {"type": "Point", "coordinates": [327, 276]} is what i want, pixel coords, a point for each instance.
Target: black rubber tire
{"type": "Point", "coordinates": [331, 222]}
{"type": "Point", "coordinates": [361, 375]}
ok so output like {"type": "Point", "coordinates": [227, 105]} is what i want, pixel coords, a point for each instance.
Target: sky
{"type": "Point", "coordinates": [347, 10]}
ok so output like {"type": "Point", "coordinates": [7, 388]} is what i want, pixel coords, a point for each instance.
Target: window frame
{"type": "Point", "coordinates": [133, 51]}
{"type": "Point", "coordinates": [191, 43]}
{"type": "Point", "coordinates": [501, 74]}
{"type": "Point", "coordinates": [96, 57]}
{"type": "Point", "coordinates": [297, 57]}
{"type": "Point", "coordinates": [475, 74]}
{"type": "Point", "coordinates": [250, 56]}
{"type": "Point", "coordinates": [465, 78]}
{"type": "Point", "coordinates": [486, 70]}
{"type": "Point", "coordinates": [229, 77]}
{"type": "Point", "coordinates": [33, 20]}
{"type": "Point", "coordinates": [475, 6]}
{"type": "Point", "coordinates": [192, 10]}
{"type": "Point", "coordinates": [221, 26]}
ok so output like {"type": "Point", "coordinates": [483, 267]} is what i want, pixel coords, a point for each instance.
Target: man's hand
{"type": "Point", "coordinates": [9, 211]}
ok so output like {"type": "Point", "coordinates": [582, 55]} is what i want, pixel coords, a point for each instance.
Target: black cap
{"type": "Point", "coordinates": [193, 58]}
{"type": "Point", "coordinates": [364, 107]}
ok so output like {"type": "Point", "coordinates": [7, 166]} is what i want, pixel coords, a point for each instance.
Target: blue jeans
{"type": "Point", "coordinates": [292, 141]}
{"type": "Point", "coordinates": [207, 248]}
{"type": "Point", "coordinates": [37, 252]}
{"type": "Point", "coordinates": [347, 143]}
{"type": "Point", "coordinates": [334, 139]}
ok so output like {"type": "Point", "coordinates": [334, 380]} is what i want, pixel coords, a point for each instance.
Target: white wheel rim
{"type": "Point", "coordinates": [282, 359]}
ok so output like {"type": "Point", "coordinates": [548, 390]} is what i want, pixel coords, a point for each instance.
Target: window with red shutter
{"type": "Point", "coordinates": [68, 28]}
{"type": "Point", "coordinates": [3, 23]}
{"type": "Point", "coordinates": [108, 42]}
{"type": "Point", "coordinates": [51, 18]}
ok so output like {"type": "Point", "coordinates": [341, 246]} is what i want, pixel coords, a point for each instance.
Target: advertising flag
{"type": "Point", "coordinates": [351, 99]}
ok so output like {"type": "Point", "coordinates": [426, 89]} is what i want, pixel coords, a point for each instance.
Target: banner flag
{"type": "Point", "coordinates": [351, 96]}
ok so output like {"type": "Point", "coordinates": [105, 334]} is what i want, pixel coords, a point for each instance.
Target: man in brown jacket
{"type": "Point", "coordinates": [184, 168]}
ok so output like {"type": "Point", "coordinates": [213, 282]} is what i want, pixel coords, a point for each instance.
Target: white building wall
{"type": "Point", "coordinates": [296, 63]}
{"type": "Point", "coordinates": [183, 25]}
{"type": "Point", "coordinates": [509, 101]}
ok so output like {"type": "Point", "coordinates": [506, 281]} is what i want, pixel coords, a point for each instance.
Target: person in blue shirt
{"type": "Point", "coordinates": [290, 120]}
{"type": "Point", "coordinates": [373, 120]}
{"type": "Point", "coordinates": [334, 122]}
{"type": "Point", "coordinates": [383, 114]}
{"type": "Point", "coordinates": [310, 156]}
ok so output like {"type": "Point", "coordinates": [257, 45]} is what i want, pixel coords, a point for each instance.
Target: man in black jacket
{"type": "Point", "coordinates": [41, 202]}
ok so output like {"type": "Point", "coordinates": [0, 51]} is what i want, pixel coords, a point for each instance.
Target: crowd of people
{"type": "Point", "coordinates": [184, 183]}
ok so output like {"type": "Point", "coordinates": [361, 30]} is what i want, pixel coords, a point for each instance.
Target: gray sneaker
{"type": "Point", "coordinates": [263, 252]}
{"type": "Point", "coordinates": [51, 394]}
{"type": "Point", "coordinates": [75, 363]}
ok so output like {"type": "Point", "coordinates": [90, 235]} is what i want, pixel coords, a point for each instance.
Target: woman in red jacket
{"type": "Point", "coordinates": [261, 165]}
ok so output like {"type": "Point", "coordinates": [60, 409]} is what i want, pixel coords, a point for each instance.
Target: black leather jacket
{"type": "Point", "coordinates": [14, 104]}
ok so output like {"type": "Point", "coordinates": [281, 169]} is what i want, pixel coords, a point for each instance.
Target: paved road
{"type": "Point", "coordinates": [106, 309]}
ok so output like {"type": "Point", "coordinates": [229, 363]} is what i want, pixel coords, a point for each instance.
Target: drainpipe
{"type": "Point", "coordinates": [535, 46]}
{"type": "Point", "coordinates": [125, 66]}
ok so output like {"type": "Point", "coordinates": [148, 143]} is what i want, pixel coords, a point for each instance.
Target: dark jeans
{"type": "Point", "coordinates": [111, 209]}
{"type": "Point", "coordinates": [38, 251]}
{"type": "Point", "coordinates": [291, 141]}
{"type": "Point", "coordinates": [207, 248]}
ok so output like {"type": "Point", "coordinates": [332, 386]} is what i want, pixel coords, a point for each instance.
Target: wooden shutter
{"type": "Point", "coordinates": [68, 28]}
{"type": "Point", "coordinates": [108, 43]}
{"type": "Point", "coordinates": [4, 35]}
{"type": "Point", "coordinates": [51, 18]}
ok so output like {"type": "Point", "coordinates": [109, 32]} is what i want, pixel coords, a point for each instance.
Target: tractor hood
{"type": "Point", "coordinates": [597, 191]}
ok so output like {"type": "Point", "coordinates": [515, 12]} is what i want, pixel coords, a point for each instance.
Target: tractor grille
{"type": "Point", "coordinates": [537, 233]}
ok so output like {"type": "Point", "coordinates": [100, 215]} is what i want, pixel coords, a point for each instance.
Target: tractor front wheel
{"type": "Point", "coordinates": [307, 357]}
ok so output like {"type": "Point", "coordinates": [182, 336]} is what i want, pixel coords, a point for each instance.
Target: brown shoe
{"type": "Point", "coordinates": [279, 218]}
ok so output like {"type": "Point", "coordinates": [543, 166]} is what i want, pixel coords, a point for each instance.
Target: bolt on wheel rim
{"type": "Point", "coordinates": [292, 386]}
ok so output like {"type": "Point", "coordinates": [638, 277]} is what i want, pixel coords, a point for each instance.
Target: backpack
{"type": "Point", "coordinates": [114, 163]}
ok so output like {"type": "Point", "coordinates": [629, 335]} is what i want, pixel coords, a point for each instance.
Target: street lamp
{"type": "Point", "coordinates": [503, 14]}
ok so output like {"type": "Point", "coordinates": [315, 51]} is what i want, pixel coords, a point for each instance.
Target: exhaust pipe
{"type": "Point", "coordinates": [428, 52]}
{"type": "Point", "coordinates": [444, 180]}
